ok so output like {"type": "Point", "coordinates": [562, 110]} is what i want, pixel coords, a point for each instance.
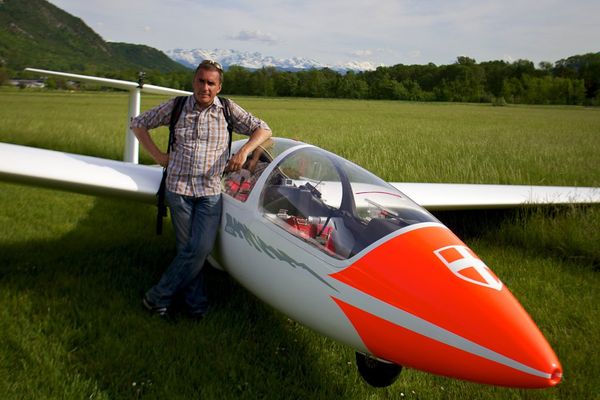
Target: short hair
{"type": "Point", "coordinates": [211, 65]}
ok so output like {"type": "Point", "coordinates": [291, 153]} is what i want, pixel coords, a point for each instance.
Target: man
{"type": "Point", "coordinates": [194, 168]}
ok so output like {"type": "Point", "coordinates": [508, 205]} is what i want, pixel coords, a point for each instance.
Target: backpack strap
{"type": "Point", "coordinates": [160, 195]}
{"type": "Point", "coordinates": [225, 102]}
{"type": "Point", "coordinates": [175, 114]}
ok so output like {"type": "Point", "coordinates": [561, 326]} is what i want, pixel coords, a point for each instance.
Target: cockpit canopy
{"type": "Point", "coordinates": [323, 199]}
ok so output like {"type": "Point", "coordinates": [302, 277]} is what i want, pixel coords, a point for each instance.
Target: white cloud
{"type": "Point", "coordinates": [415, 55]}
{"type": "Point", "coordinates": [411, 31]}
{"type": "Point", "coordinates": [254, 36]}
{"type": "Point", "coordinates": [362, 53]}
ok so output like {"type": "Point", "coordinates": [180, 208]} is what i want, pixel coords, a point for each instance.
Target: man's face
{"type": "Point", "coordinates": [207, 85]}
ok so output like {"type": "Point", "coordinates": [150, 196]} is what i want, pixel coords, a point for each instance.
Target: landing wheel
{"type": "Point", "coordinates": [377, 373]}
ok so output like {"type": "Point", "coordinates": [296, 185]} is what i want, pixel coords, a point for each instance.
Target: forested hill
{"type": "Point", "coordinates": [35, 33]}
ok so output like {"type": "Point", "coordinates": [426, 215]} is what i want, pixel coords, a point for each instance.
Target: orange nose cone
{"type": "Point", "coordinates": [438, 308]}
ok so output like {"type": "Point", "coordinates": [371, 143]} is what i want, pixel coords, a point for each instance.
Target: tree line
{"type": "Point", "coordinates": [574, 80]}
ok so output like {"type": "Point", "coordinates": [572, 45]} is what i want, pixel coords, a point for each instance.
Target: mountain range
{"type": "Point", "coordinates": [255, 60]}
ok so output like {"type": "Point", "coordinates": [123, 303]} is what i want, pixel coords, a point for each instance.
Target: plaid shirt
{"type": "Point", "coordinates": [200, 152]}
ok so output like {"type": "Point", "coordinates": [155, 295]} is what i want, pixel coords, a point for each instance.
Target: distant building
{"type": "Point", "coordinates": [27, 83]}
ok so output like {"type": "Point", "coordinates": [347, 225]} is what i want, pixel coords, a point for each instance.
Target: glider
{"type": "Point", "coordinates": [338, 249]}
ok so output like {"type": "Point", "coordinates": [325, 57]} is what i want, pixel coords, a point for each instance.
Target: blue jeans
{"type": "Point", "coordinates": [196, 222]}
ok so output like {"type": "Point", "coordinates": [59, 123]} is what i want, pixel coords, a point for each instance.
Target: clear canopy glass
{"type": "Point", "coordinates": [333, 204]}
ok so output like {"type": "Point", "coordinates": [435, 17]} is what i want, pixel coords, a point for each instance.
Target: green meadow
{"type": "Point", "coordinates": [72, 266]}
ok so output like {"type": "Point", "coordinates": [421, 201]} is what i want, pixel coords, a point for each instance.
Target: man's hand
{"type": "Point", "coordinates": [146, 141]}
{"type": "Point", "coordinates": [236, 161]}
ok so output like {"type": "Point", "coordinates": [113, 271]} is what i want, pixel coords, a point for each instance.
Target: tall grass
{"type": "Point", "coordinates": [403, 141]}
{"type": "Point", "coordinates": [72, 266]}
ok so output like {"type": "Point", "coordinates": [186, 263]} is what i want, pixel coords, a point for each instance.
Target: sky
{"type": "Point", "coordinates": [383, 32]}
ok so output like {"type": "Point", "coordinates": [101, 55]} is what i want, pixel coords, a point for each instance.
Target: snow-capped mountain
{"type": "Point", "coordinates": [227, 58]}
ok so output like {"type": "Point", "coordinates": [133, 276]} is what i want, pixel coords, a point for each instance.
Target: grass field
{"type": "Point", "coordinates": [72, 266]}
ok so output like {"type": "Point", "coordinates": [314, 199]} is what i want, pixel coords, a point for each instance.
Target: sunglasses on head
{"type": "Point", "coordinates": [213, 63]}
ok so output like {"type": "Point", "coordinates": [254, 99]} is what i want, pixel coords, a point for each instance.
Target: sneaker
{"type": "Point", "coordinates": [156, 310]}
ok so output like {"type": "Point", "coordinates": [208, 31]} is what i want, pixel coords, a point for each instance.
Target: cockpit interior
{"type": "Point", "coordinates": [323, 199]}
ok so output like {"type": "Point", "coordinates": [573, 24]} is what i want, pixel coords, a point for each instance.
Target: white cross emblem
{"type": "Point", "coordinates": [465, 265]}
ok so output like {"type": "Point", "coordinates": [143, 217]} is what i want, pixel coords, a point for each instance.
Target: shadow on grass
{"type": "Point", "coordinates": [84, 288]}
{"type": "Point", "coordinates": [468, 224]}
